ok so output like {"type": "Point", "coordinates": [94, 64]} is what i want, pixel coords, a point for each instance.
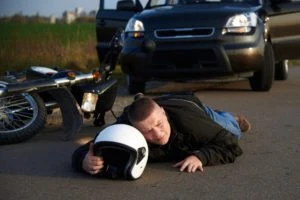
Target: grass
{"type": "Point", "coordinates": [67, 46]}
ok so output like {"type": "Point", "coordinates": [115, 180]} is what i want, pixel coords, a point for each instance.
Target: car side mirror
{"type": "Point", "coordinates": [126, 5]}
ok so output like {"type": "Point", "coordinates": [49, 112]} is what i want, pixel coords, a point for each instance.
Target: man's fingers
{"type": "Point", "coordinates": [96, 163]}
{"type": "Point", "coordinates": [183, 166]}
{"type": "Point", "coordinates": [190, 168]}
{"type": "Point", "coordinates": [189, 165]}
{"type": "Point", "coordinates": [96, 167]}
{"type": "Point", "coordinates": [96, 159]}
{"type": "Point", "coordinates": [91, 148]}
{"type": "Point", "coordinates": [94, 171]}
{"type": "Point", "coordinates": [200, 168]}
{"type": "Point", "coordinates": [178, 164]}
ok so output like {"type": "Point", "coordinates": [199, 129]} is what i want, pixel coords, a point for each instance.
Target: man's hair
{"type": "Point", "coordinates": [140, 109]}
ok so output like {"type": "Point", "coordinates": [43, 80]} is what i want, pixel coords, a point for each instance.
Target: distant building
{"type": "Point", "coordinates": [69, 16]}
{"type": "Point", "coordinates": [78, 11]}
{"type": "Point", "coordinates": [52, 19]}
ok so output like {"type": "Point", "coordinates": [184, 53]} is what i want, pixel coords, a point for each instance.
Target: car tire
{"type": "Point", "coordinates": [135, 85]}
{"type": "Point", "coordinates": [262, 80]}
{"type": "Point", "coordinates": [281, 70]}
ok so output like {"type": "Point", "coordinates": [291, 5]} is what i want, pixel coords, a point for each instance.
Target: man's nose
{"type": "Point", "coordinates": [156, 132]}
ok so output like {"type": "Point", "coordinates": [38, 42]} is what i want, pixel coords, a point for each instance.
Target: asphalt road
{"type": "Point", "coordinates": [269, 168]}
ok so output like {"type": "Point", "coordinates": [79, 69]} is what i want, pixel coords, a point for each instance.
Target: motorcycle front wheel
{"type": "Point", "coordinates": [21, 117]}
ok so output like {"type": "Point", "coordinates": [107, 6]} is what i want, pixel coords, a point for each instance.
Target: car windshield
{"type": "Point", "coordinates": [157, 3]}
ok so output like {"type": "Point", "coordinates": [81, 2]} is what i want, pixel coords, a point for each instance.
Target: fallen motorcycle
{"type": "Point", "coordinates": [26, 99]}
{"type": "Point", "coordinates": [24, 105]}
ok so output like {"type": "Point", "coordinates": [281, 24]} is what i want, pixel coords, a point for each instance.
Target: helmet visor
{"type": "Point", "coordinates": [118, 161]}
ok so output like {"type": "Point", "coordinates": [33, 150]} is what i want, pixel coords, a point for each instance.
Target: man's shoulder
{"type": "Point", "coordinates": [180, 100]}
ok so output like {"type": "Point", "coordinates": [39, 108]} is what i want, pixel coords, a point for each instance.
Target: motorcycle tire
{"type": "Point", "coordinates": [21, 117]}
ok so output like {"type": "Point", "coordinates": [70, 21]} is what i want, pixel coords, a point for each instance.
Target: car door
{"type": "Point", "coordinates": [112, 15]}
{"type": "Point", "coordinates": [284, 24]}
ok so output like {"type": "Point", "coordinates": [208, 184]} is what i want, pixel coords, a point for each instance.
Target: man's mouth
{"type": "Point", "coordinates": [160, 138]}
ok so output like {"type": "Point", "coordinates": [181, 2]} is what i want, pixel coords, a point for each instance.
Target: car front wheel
{"type": "Point", "coordinates": [262, 80]}
{"type": "Point", "coordinates": [135, 85]}
{"type": "Point", "coordinates": [281, 70]}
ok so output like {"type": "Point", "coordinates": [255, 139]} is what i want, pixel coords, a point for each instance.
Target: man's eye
{"type": "Point", "coordinates": [148, 132]}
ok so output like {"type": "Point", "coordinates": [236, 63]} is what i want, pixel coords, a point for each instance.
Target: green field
{"type": "Point", "coordinates": [63, 45]}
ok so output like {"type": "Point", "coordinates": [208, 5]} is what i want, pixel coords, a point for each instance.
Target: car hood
{"type": "Point", "coordinates": [196, 15]}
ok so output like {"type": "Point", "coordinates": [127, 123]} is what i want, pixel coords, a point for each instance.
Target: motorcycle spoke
{"type": "Point", "coordinates": [15, 123]}
{"type": "Point", "coordinates": [16, 105]}
{"type": "Point", "coordinates": [10, 125]}
{"type": "Point", "coordinates": [13, 102]}
{"type": "Point", "coordinates": [16, 112]}
{"type": "Point", "coordinates": [29, 116]}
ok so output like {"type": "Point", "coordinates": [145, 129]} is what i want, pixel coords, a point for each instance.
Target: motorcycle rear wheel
{"type": "Point", "coordinates": [21, 117]}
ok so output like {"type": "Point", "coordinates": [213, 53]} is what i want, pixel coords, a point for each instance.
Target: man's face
{"type": "Point", "coordinates": [155, 128]}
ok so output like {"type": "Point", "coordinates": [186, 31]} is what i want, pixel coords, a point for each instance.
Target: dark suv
{"type": "Point", "coordinates": [200, 39]}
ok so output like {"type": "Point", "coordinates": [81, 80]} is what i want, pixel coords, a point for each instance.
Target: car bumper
{"type": "Point", "coordinates": [193, 59]}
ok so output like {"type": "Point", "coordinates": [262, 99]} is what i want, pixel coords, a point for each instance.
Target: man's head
{"type": "Point", "coordinates": [151, 120]}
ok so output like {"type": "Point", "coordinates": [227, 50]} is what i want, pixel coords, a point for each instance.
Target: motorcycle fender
{"type": "Point", "coordinates": [97, 88]}
{"type": "Point", "coordinates": [107, 92]}
{"type": "Point", "coordinates": [70, 110]}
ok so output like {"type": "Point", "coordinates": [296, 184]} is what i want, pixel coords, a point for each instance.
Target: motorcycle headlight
{"type": "Point", "coordinates": [135, 28]}
{"type": "Point", "coordinates": [242, 23]}
{"type": "Point", "coordinates": [89, 102]}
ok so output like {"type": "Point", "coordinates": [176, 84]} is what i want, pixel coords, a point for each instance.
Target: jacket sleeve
{"type": "Point", "coordinates": [203, 137]}
{"type": "Point", "coordinates": [224, 148]}
{"type": "Point", "coordinates": [78, 156]}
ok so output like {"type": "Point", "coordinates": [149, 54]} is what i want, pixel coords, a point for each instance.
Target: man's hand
{"type": "Point", "coordinates": [190, 164]}
{"type": "Point", "coordinates": [92, 164]}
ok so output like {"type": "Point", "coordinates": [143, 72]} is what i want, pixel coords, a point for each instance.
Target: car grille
{"type": "Point", "coordinates": [184, 60]}
{"type": "Point", "coordinates": [184, 33]}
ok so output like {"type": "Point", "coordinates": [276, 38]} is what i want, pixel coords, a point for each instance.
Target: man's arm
{"type": "Point", "coordinates": [80, 153]}
{"type": "Point", "coordinates": [224, 148]}
{"type": "Point", "coordinates": [78, 156]}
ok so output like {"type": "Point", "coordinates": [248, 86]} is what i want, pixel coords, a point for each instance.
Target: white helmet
{"type": "Point", "coordinates": [124, 150]}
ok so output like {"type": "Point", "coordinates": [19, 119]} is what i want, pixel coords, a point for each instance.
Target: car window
{"type": "Point", "coordinates": [157, 3]}
{"type": "Point", "coordinates": [112, 4]}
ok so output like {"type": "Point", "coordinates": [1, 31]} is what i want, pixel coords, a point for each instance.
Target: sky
{"type": "Point", "coordinates": [45, 7]}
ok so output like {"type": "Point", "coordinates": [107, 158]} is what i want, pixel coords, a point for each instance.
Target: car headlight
{"type": "Point", "coordinates": [242, 23]}
{"type": "Point", "coordinates": [135, 28]}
